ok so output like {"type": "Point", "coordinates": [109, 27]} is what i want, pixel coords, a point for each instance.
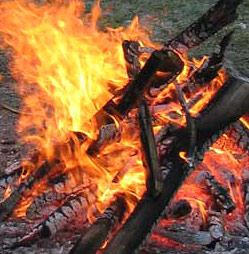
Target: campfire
{"type": "Point", "coordinates": [128, 139]}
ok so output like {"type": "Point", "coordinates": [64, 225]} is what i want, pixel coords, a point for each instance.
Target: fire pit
{"type": "Point", "coordinates": [128, 140]}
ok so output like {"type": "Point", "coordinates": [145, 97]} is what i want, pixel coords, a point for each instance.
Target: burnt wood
{"type": "Point", "coordinates": [210, 123]}
{"type": "Point", "coordinates": [240, 133]}
{"type": "Point", "coordinates": [43, 169]}
{"type": "Point", "coordinates": [179, 209]}
{"type": "Point", "coordinates": [228, 105]}
{"type": "Point", "coordinates": [41, 204]}
{"type": "Point", "coordinates": [246, 200]}
{"type": "Point", "coordinates": [108, 134]}
{"type": "Point", "coordinates": [154, 178]}
{"type": "Point", "coordinates": [10, 180]}
{"type": "Point", "coordinates": [217, 17]}
{"type": "Point", "coordinates": [215, 226]}
{"type": "Point", "coordinates": [74, 207]}
{"type": "Point", "coordinates": [158, 59]}
{"type": "Point", "coordinates": [184, 236]}
{"type": "Point", "coordinates": [220, 195]}
{"type": "Point", "coordinates": [214, 63]}
{"type": "Point", "coordinates": [8, 205]}
{"type": "Point", "coordinates": [97, 234]}
{"type": "Point", "coordinates": [131, 55]}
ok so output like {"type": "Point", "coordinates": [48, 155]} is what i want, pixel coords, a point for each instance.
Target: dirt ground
{"type": "Point", "coordinates": [167, 17]}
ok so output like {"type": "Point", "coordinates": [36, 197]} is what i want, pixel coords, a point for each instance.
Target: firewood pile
{"type": "Point", "coordinates": [181, 155]}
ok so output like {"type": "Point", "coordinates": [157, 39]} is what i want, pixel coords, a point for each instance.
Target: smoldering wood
{"type": "Point", "coordinates": [154, 179]}
{"type": "Point", "coordinates": [8, 205]}
{"type": "Point", "coordinates": [245, 186]}
{"type": "Point", "coordinates": [208, 131]}
{"type": "Point", "coordinates": [119, 176]}
{"type": "Point", "coordinates": [231, 244]}
{"type": "Point", "coordinates": [74, 207]}
{"type": "Point", "coordinates": [190, 124]}
{"type": "Point", "coordinates": [221, 196]}
{"type": "Point", "coordinates": [42, 204]}
{"type": "Point", "coordinates": [131, 55]}
{"type": "Point", "coordinates": [179, 209]}
{"type": "Point", "coordinates": [240, 134]}
{"type": "Point", "coordinates": [227, 106]}
{"type": "Point", "coordinates": [184, 236]}
{"type": "Point", "coordinates": [108, 134]}
{"type": "Point", "coordinates": [16, 166]}
{"type": "Point", "coordinates": [91, 241]}
{"type": "Point", "coordinates": [217, 17]}
{"type": "Point", "coordinates": [57, 179]}
{"type": "Point", "coordinates": [214, 63]}
{"type": "Point", "coordinates": [43, 169]}
{"type": "Point", "coordinates": [215, 226]}
{"type": "Point", "coordinates": [9, 180]}
{"type": "Point", "coordinates": [168, 60]}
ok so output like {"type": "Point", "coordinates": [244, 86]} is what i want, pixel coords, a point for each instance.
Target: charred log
{"type": "Point", "coordinates": [44, 168]}
{"type": "Point", "coordinates": [10, 180]}
{"type": "Point", "coordinates": [179, 209]}
{"type": "Point", "coordinates": [168, 60]}
{"type": "Point", "coordinates": [42, 204]}
{"type": "Point", "coordinates": [211, 67]}
{"type": "Point", "coordinates": [215, 227]}
{"type": "Point", "coordinates": [71, 209]}
{"type": "Point", "coordinates": [190, 125]}
{"type": "Point", "coordinates": [107, 134]}
{"type": "Point", "coordinates": [246, 200]}
{"type": "Point", "coordinates": [8, 205]}
{"type": "Point", "coordinates": [97, 234]}
{"type": "Point", "coordinates": [220, 15]}
{"type": "Point", "coordinates": [184, 236]}
{"type": "Point", "coordinates": [154, 180]}
{"type": "Point", "coordinates": [221, 196]}
{"type": "Point", "coordinates": [208, 130]}
{"type": "Point", "coordinates": [239, 132]}
{"type": "Point", "coordinates": [229, 104]}
{"type": "Point", "coordinates": [131, 55]}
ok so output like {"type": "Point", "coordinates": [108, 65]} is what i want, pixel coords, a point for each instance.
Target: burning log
{"type": "Point", "coordinates": [184, 236]}
{"type": "Point", "coordinates": [97, 234]}
{"type": "Point", "coordinates": [131, 55]}
{"type": "Point", "coordinates": [56, 221]}
{"type": "Point", "coordinates": [216, 226]}
{"type": "Point", "coordinates": [218, 114]}
{"type": "Point", "coordinates": [154, 180]}
{"type": "Point", "coordinates": [45, 200]}
{"type": "Point", "coordinates": [220, 15]}
{"type": "Point", "coordinates": [43, 204]}
{"type": "Point", "coordinates": [8, 205]}
{"type": "Point", "coordinates": [179, 209]}
{"type": "Point", "coordinates": [239, 132]}
{"type": "Point", "coordinates": [222, 198]}
{"type": "Point", "coordinates": [190, 125]}
{"type": "Point", "coordinates": [149, 210]}
{"type": "Point", "coordinates": [168, 60]}
{"type": "Point", "coordinates": [124, 170]}
{"type": "Point", "coordinates": [246, 199]}
{"type": "Point", "coordinates": [214, 63]}
{"type": "Point", "coordinates": [9, 180]}
{"type": "Point", "coordinates": [107, 134]}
